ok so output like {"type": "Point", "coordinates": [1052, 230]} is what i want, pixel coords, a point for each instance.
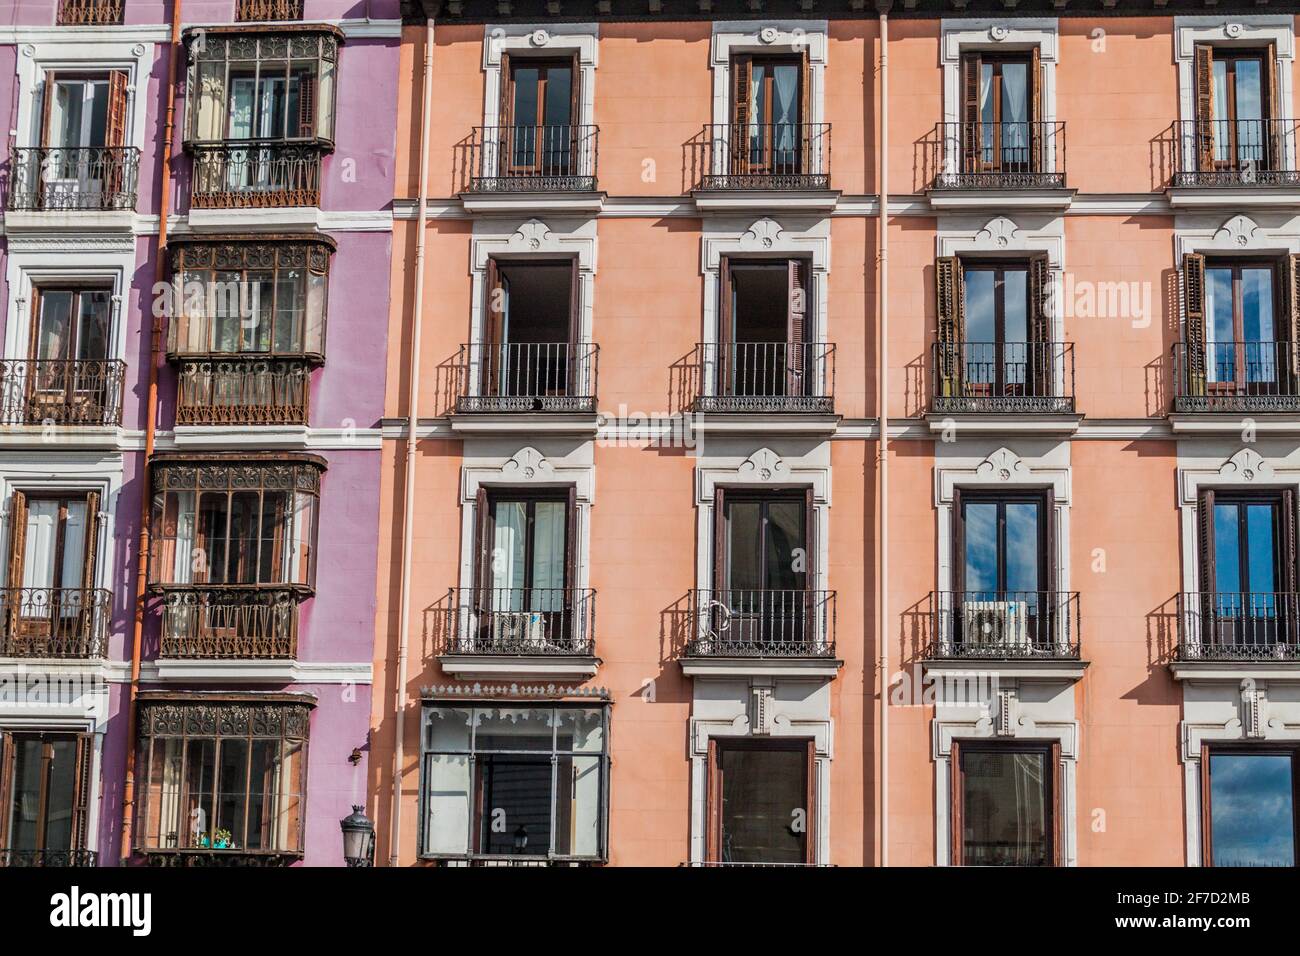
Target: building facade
{"type": "Point", "coordinates": [654, 587]}
{"type": "Point", "coordinates": [195, 250]}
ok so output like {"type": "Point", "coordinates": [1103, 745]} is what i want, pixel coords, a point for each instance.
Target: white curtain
{"type": "Point", "coordinates": [507, 558]}
{"type": "Point", "coordinates": [785, 111]}
{"type": "Point", "coordinates": [548, 556]}
{"type": "Point", "coordinates": [447, 803]}
{"type": "Point", "coordinates": [183, 544]}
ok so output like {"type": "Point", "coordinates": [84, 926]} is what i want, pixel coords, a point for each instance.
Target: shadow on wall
{"type": "Point", "coordinates": [1158, 373]}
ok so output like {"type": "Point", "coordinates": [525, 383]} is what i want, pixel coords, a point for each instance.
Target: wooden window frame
{"type": "Point", "coordinates": [713, 789]}
{"type": "Point", "coordinates": [973, 147]}
{"type": "Point", "coordinates": [84, 759]}
{"type": "Point", "coordinates": [1239, 383]}
{"type": "Point", "coordinates": [485, 531]}
{"type": "Point", "coordinates": [1054, 781]}
{"type": "Point", "coordinates": [1000, 267]}
{"type": "Point", "coordinates": [1280, 748]}
{"type": "Point", "coordinates": [800, 380]}
{"type": "Point", "coordinates": [727, 496]}
{"type": "Point", "coordinates": [742, 159]}
{"type": "Point", "coordinates": [1204, 57]}
{"type": "Point", "coordinates": [1043, 497]}
{"type": "Point", "coordinates": [510, 62]}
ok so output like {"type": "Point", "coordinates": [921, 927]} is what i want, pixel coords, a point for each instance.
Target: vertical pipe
{"type": "Point", "coordinates": [151, 416]}
{"type": "Point", "coordinates": [882, 376]}
{"type": "Point", "coordinates": [412, 421]}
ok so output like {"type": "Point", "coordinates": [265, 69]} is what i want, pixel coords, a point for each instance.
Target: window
{"type": "Point", "coordinates": [761, 801]}
{"type": "Point", "coordinates": [530, 351]}
{"type": "Point", "coordinates": [251, 299]}
{"type": "Point", "coordinates": [1001, 113]}
{"type": "Point", "coordinates": [52, 550]}
{"type": "Point", "coordinates": [44, 796]}
{"type": "Point", "coordinates": [84, 111]}
{"type": "Point", "coordinates": [1235, 123]}
{"type": "Point", "coordinates": [769, 114]}
{"type": "Point", "coordinates": [69, 380]}
{"type": "Point", "coordinates": [1005, 813]}
{"type": "Point", "coordinates": [223, 775]}
{"type": "Point", "coordinates": [764, 350]}
{"type": "Point", "coordinates": [1248, 567]}
{"type": "Point", "coordinates": [525, 782]}
{"type": "Point", "coordinates": [1250, 806]}
{"type": "Point", "coordinates": [236, 522]}
{"type": "Point", "coordinates": [1241, 332]}
{"type": "Point", "coordinates": [539, 110]}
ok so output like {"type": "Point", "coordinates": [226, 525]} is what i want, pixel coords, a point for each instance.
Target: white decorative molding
{"type": "Point", "coordinates": [1262, 233]}
{"type": "Point", "coordinates": [978, 235]}
{"type": "Point", "coordinates": [763, 466]}
{"type": "Point", "coordinates": [731, 37]}
{"type": "Point", "coordinates": [1239, 31]}
{"type": "Point", "coordinates": [540, 39]}
{"type": "Point", "coordinates": [1001, 34]}
{"type": "Point", "coordinates": [66, 259]}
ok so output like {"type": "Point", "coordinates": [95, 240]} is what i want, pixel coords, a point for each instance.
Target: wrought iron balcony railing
{"type": "Point", "coordinates": [1244, 152]}
{"type": "Point", "coordinates": [998, 156]}
{"type": "Point", "coordinates": [777, 156]}
{"type": "Point", "coordinates": [76, 13]}
{"type": "Point", "coordinates": [1237, 377]}
{"type": "Point", "coordinates": [67, 623]}
{"type": "Point", "coordinates": [737, 622]}
{"type": "Point", "coordinates": [243, 391]}
{"type": "Point", "coordinates": [519, 621]}
{"type": "Point", "coordinates": [766, 377]}
{"type": "Point", "coordinates": [510, 159]}
{"type": "Point", "coordinates": [1010, 377]}
{"type": "Point", "coordinates": [528, 376]}
{"type": "Point", "coordinates": [55, 858]}
{"type": "Point", "coordinates": [48, 178]}
{"type": "Point", "coordinates": [268, 10]}
{"type": "Point", "coordinates": [240, 174]}
{"type": "Point", "coordinates": [58, 392]}
{"type": "Point", "coordinates": [1239, 626]}
{"type": "Point", "coordinates": [230, 623]}
{"type": "Point", "coordinates": [1004, 625]}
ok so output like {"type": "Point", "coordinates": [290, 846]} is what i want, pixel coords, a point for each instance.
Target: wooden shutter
{"type": "Point", "coordinates": [571, 381]}
{"type": "Point", "coordinates": [796, 326]}
{"type": "Point", "coordinates": [1205, 558]}
{"type": "Point", "coordinates": [1275, 158]}
{"type": "Point", "coordinates": [571, 562]}
{"type": "Point", "coordinates": [955, 802]}
{"type": "Point", "coordinates": [92, 538]}
{"type": "Point", "coordinates": [1204, 79]}
{"type": "Point", "coordinates": [17, 537]}
{"type": "Point", "coordinates": [1207, 829]}
{"type": "Point", "coordinates": [81, 796]}
{"type": "Point", "coordinates": [1055, 780]}
{"type": "Point", "coordinates": [1289, 580]}
{"type": "Point", "coordinates": [810, 801]}
{"type": "Point", "coordinates": [579, 164]}
{"type": "Point", "coordinates": [1291, 302]}
{"type": "Point", "coordinates": [1041, 353]}
{"type": "Point", "coordinates": [1194, 322]}
{"type": "Point", "coordinates": [307, 105]}
{"type": "Point", "coordinates": [483, 542]}
{"type": "Point", "coordinates": [950, 310]}
{"type": "Point", "coordinates": [1038, 159]}
{"type": "Point", "coordinates": [713, 802]}
{"type": "Point", "coordinates": [505, 114]}
{"type": "Point", "coordinates": [47, 106]}
{"type": "Point", "coordinates": [813, 631]}
{"type": "Point", "coordinates": [742, 79]}
{"type": "Point", "coordinates": [493, 344]}
{"type": "Point", "coordinates": [726, 339]}
{"type": "Point", "coordinates": [719, 541]}
{"type": "Point", "coordinates": [115, 134]}
{"type": "Point", "coordinates": [7, 759]}
{"type": "Point", "coordinates": [809, 161]}
{"type": "Point", "coordinates": [970, 133]}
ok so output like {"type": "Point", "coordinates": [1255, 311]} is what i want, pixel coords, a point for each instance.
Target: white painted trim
{"type": "Point", "coordinates": [767, 36]}
{"type": "Point", "coordinates": [76, 260]}
{"type": "Point", "coordinates": [167, 670]}
{"type": "Point", "coordinates": [542, 39]}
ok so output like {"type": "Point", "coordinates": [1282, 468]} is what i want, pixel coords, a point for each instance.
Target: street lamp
{"type": "Point", "coordinates": [358, 838]}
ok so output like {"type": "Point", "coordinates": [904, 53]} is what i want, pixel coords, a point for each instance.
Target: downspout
{"type": "Point", "coordinates": [412, 420]}
{"type": "Point", "coordinates": [151, 408]}
{"type": "Point", "coordinates": [882, 379]}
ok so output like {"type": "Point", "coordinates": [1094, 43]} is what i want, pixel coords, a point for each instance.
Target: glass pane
{"type": "Point", "coordinates": [744, 533]}
{"type": "Point", "coordinates": [548, 555]}
{"type": "Point", "coordinates": [1252, 814]}
{"type": "Point", "coordinates": [1257, 325]}
{"type": "Point", "coordinates": [447, 803]}
{"type": "Point", "coordinates": [258, 298]}
{"type": "Point", "coordinates": [447, 728]}
{"type": "Point", "coordinates": [1005, 811]}
{"type": "Point", "coordinates": [92, 326]}
{"type": "Point", "coordinates": [577, 805]}
{"type": "Point", "coordinates": [289, 306]}
{"type": "Point", "coordinates": [1015, 325]}
{"type": "Point", "coordinates": [1249, 88]}
{"type": "Point", "coordinates": [764, 806]}
{"type": "Point", "coordinates": [981, 543]}
{"type": "Point", "coordinates": [1022, 556]}
{"type": "Point", "coordinates": [54, 333]}
{"type": "Point", "coordinates": [559, 92]}
{"type": "Point", "coordinates": [269, 788]}
{"type": "Point", "coordinates": [524, 110]}
{"type": "Point", "coordinates": [507, 728]}
{"type": "Point", "coordinates": [61, 795]}
{"type": "Point", "coordinates": [273, 541]}
{"type": "Point", "coordinates": [245, 512]}
{"type": "Point", "coordinates": [227, 324]}
{"type": "Point", "coordinates": [1221, 360]}
{"type": "Point", "coordinates": [784, 535]}
{"type": "Point", "coordinates": [580, 730]}
{"type": "Point", "coordinates": [241, 107]}
{"type": "Point", "coordinates": [40, 545]}
{"type": "Point", "coordinates": [209, 559]}
{"type": "Point", "coordinates": [75, 527]}
{"type": "Point", "coordinates": [1227, 548]}
{"type": "Point", "coordinates": [516, 801]}
{"type": "Point", "coordinates": [510, 523]}
{"type": "Point", "coordinates": [228, 832]}
{"type": "Point", "coordinates": [25, 813]}
{"type": "Point", "coordinates": [981, 327]}
{"type": "Point", "coordinates": [98, 124]}
{"type": "Point", "coordinates": [1220, 92]}
{"type": "Point", "coordinates": [1261, 549]}
{"type": "Point", "coordinates": [987, 113]}
{"type": "Point", "coordinates": [1015, 92]}
{"type": "Point", "coordinates": [200, 766]}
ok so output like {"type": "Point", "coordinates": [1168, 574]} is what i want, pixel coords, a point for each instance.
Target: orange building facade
{"type": "Point", "coordinates": [632, 603]}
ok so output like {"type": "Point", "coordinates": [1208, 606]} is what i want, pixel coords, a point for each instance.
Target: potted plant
{"type": "Point", "coordinates": [220, 839]}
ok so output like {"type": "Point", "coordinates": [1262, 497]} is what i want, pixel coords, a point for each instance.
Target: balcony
{"type": "Point", "coordinates": [39, 392]}
{"type": "Point", "coordinates": [249, 10]}
{"type": "Point", "coordinates": [505, 168]}
{"type": "Point", "coordinates": [78, 13]}
{"type": "Point", "coordinates": [1004, 626]}
{"type": "Point", "coordinates": [518, 633]}
{"type": "Point", "coordinates": [58, 179]}
{"type": "Point", "coordinates": [1003, 382]}
{"type": "Point", "coordinates": [998, 164]}
{"type": "Point", "coordinates": [738, 165]}
{"type": "Point", "coordinates": [63, 623]}
{"type": "Point", "coordinates": [1238, 627]}
{"type": "Point", "coordinates": [1236, 378]}
{"type": "Point", "coordinates": [765, 377]}
{"type": "Point", "coordinates": [230, 623]}
{"type": "Point", "coordinates": [518, 377]}
{"type": "Point", "coordinates": [1232, 154]}
{"type": "Point", "coordinates": [243, 391]}
{"type": "Point", "coordinates": [54, 858]}
{"type": "Point", "coordinates": [742, 623]}
{"type": "Point", "coordinates": [256, 174]}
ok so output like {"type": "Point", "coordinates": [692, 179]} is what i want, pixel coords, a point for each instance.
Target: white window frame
{"type": "Point", "coordinates": [731, 37]}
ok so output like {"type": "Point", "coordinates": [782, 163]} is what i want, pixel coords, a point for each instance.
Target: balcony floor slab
{"type": "Point", "coordinates": [732, 667]}
{"type": "Point", "coordinates": [765, 423]}
{"type": "Point", "coordinates": [525, 423]}
{"type": "Point", "coordinates": [959, 200]}
{"type": "Point", "coordinates": [765, 200]}
{"type": "Point", "coordinates": [533, 203]}
{"type": "Point", "coordinates": [518, 667]}
{"type": "Point", "coordinates": [1235, 671]}
{"type": "Point", "coordinates": [1024, 423]}
{"type": "Point", "coordinates": [1068, 669]}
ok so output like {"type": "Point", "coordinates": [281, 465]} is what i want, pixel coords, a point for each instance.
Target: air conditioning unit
{"type": "Point", "coordinates": [995, 623]}
{"type": "Point", "coordinates": [526, 629]}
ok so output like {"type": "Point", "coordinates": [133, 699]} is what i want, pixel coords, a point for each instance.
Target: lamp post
{"type": "Point", "coordinates": [358, 838]}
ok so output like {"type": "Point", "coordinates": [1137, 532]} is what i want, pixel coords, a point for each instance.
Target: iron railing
{"type": "Point", "coordinates": [52, 858]}
{"type": "Point", "coordinates": [1244, 152]}
{"type": "Point", "coordinates": [528, 376]}
{"type": "Point", "coordinates": [78, 13]}
{"type": "Point", "coordinates": [55, 622]}
{"type": "Point", "coordinates": [1237, 377]}
{"type": "Point", "coordinates": [256, 174]}
{"type": "Point", "coordinates": [1238, 626]}
{"type": "Point", "coordinates": [243, 392]}
{"type": "Point", "coordinates": [268, 10]}
{"type": "Point", "coordinates": [61, 392]}
{"type": "Point", "coordinates": [508, 159]}
{"type": "Point", "coordinates": [1007, 377]}
{"type": "Point", "coordinates": [736, 622]}
{"type": "Point", "coordinates": [230, 622]}
{"type": "Point", "coordinates": [74, 178]}
{"type": "Point", "coordinates": [519, 621]}
{"type": "Point", "coordinates": [778, 156]}
{"type": "Point", "coordinates": [1004, 625]}
{"type": "Point", "coordinates": [766, 377]}
{"type": "Point", "coordinates": [999, 155]}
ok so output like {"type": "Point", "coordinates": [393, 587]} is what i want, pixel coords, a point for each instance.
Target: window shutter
{"type": "Point", "coordinates": [575, 330]}
{"type": "Point", "coordinates": [1291, 298]}
{"type": "Point", "coordinates": [808, 162]}
{"type": "Point", "coordinates": [796, 325]}
{"type": "Point", "coordinates": [1055, 774]}
{"type": "Point", "coordinates": [482, 537]}
{"type": "Point", "coordinates": [1041, 354]}
{"type": "Point", "coordinates": [1276, 158]}
{"type": "Point", "coordinates": [47, 106]}
{"type": "Point", "coordinates": [493, 346]}
{"type": "Point", "coordinates": [571, 558]}
{"type": "Point", "coordinates": [810, 802]}
{"type": "Point", "coordinates": [970, 135]}
{"type": "Point", "coordinates": [1289, 582]}
{"type": "Point", "coordinates": [1205, 634]}
{"type": "Point", "coordinates": [7, 757]}
{"type": "Point", "coordinates": [741, 80]}
{"type": "Point", "coordinates": [719, 541]}
{"type": "Point", "coordinates": [578, 149]}
{"type": "Point", "coordinates": [1204, 57]}
{"type": "Point", "coordinates": [17, 537]}
{"type": "Point", "coordinates": [505, 115]}
{"type": "Point", "coordinates": [726, 339]}
{"type": "Point", "coordinates": [712, 836]}
{"type": "Point", "coordinates": [1194, 322]}
{"type": "Point", "coordinates": [955, 831]}
{"type": "Point", "coordinates": [81, 797]}
{"type": "Point", "coordinates": [92, 538]}
{"type": "Point", "coordinates": [949, 299]}
{"type": "Point", "coordinates": [1038, 159]}
{"type": "Point", "coordinates": [307, 106]}
{"type": "Point", "coordinates": [115, 134]}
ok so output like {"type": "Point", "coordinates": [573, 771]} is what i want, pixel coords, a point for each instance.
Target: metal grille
{"type": "Point", "coordinates": [70, 623]}
{"type": "Point", "coordinates": [71, 178]}
{"type": "Point", "coordinates": [90, 12]}
{"type": "Point", "coordinates": [528, 376]}
{"type": "Point", "coordinates": [57, 858]}
{"type": "Point", "coordinates": [1239, 626]}
{"type": "Point", "coordinates": [1008, 377]}
{"type": "Point", "coordinates": [532, 159]}
{"type": "Point", "coordinates": [243, 392]}
{"type": "Point", "coordinates": [230, 623]}
{"type": "Point", "coordinates": [766, 377]}
{"type": "Point", "coordinates": [57, 392]}
{"type": "Point", "coordinates": [777, 156]}
{"type": "Point", "coordinates": [519, 621]}
{"type": "Point", "coordinates": [999, 156]}
{"type": "Point", "coordinates": [1237, 377]}
{"type": "Point", "coordinates": [269, 10]}
{"type": "Point", "coordinates": [256, 174]}
{"type": "Point", "coordinates": [1225, 153]}
{"type": "Point", "coordinates": [1004, 625]}
{"type": "Point", "coordinates": [761, 623]}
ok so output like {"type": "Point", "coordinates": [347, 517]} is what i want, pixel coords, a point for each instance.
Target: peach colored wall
{"type": "Point", "coordinates": [850, 103]}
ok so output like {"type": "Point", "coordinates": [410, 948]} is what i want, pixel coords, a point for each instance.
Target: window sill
{"type": "Point", "coordinates": [26, 223]}
{"type": "Point", "coordinates": [1235, 197]}
{"type": "Point", "coordinates": [1281, 423]}
{"type": "Point", "coordinates": [760, 200]}
{"type": "Point", "coordinates": [1236, 671]}
{"type": "Point", "coordinates": [1001, 198]}
{"type": "Point", "coordinates": [527, 423]}
{"type": "Point", "coordinates": [534, 203]}
{"type": "Point", "coordinates": [1060, 669]}
{"type": "Point", "coordinates": [732, 667]}
{"type": "Point", "coordinates": [766, 423]}
{"type": "Point", "coordinates": [521, 667]}
{"type": "Point", "coordinates": [194, 437]}
{"type": "Point", "coordinates": [1014, 422]}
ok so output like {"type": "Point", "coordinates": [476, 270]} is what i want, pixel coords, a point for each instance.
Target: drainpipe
{"type": "Point", "coordinates": [412, 419]}
{"type": "Point", "coordinates": [882, 379]}
{"type": "Point", "coordinates": [151, 407]}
